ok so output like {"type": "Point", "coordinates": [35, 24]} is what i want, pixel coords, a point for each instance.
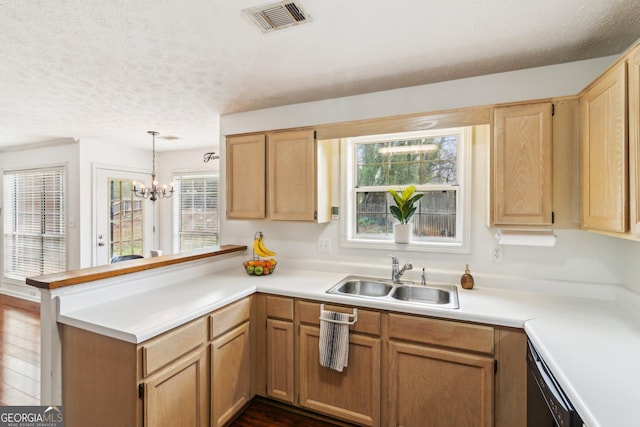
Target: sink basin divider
{"type": "Point", "coordinates": [349, 322]}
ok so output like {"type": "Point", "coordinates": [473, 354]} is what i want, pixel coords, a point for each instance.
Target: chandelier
{"type": "Point", "coordinates": [154, 192]}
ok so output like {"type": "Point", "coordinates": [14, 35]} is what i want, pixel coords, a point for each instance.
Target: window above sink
{"type": "Point", "coordinates": [437, 162]}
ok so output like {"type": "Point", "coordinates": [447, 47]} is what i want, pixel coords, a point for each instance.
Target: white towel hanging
{"type": "Point", "coordinates": [334, 338]}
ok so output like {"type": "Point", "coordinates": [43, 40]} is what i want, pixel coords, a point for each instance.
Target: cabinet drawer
{"type": "Point", "coordinates": [229, 316]}
{"type": "Point", "coordinates": [368, 321]}
{"type": "Point", "coordinates": [169, 347]}
{"type": "Point", "coordinates": [463, 336]}
{"type": "Point", "coordinates": [279, 308]}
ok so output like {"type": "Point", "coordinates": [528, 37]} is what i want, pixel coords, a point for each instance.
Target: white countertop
{"type": "Point", "coordinates": [593, 352]}
{"type": "Point", "coordinates": [589, 343]}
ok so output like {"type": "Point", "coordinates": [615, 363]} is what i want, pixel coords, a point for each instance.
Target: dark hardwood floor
{"type": "Point", "coordinates": [19, 352]}
{"type": "Point", "coordinates": [263, 413]}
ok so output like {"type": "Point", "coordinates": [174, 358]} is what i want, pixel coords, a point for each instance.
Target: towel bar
{"type": "Point", "coordinates": [351, 322]}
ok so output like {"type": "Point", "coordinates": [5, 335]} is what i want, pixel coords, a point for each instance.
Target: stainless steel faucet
{"type": "Point", "coordinates": [396, 271]}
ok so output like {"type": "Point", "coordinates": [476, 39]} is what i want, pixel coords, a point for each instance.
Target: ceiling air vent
{"type": "Point", "coordinates": [276, 16]}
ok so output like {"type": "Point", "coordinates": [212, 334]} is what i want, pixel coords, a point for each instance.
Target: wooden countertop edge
{"type": "Point", "coordinates": [84, 275]}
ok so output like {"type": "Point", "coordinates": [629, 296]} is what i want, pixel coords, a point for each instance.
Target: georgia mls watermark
{"type": "Point", "coordinates": [31, 416]}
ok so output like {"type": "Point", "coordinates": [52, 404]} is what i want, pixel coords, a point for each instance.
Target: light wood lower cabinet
{"type": "Point", "coordinates": [161, 382]}
{"type": "Point", "coordinates": [354, 393]}
{"type": "Point", "coordinates": [177, 395]}
{"type": "Point", "coordinates": [230, 374]}
{"type": "Point", "coordinates": [403, 370]}
{"type": "Point", "coordinates": [441, 373]}
{"type": "Point", "coordinates": [435, 387]}
{"type": "Point", "coordinates": [230, 360]}
{"type": "Point", "coordinates": [280, 367]}
{"type": "Point", "coordinates": [169, 380]}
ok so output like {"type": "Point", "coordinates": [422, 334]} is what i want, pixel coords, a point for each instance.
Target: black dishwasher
{"type": "Point", "coordinates": [557, 404]}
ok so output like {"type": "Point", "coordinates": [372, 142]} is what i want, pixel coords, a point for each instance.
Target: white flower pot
{"type": "Point", "coordinates": [402, 233]}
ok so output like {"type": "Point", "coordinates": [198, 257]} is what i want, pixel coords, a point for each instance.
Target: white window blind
{"type": "Point", "coordinates": [34, 222]}
{"type": "Point", "coordinates": [195, 211]}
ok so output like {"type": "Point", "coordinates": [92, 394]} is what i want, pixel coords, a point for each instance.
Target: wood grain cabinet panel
{"type": "Point", "coordinates": [246, 176]}
{"type": "Point", "coordinates": [634, 140]}
{"type": "Point", "coordinates": [283, 175]}
{"type": "Point", "coordinates": [163, 350]}
{"type": "Point", "coordinates": [440, 388]}
{"type": "Point", "coordinates": [292, 175]}
{"type": "Point", "coordinates": [522, 165]}
{"type": "Point", "coordinates": [280, 356]}
{"type": "Point", "coordinates": [178, 394]}
{"type": "Point", "coordinates": [354, 393]}
{"type": "Point", "coordinates": [230, 374]}
{"type": "Point", "coordinates": [605, 152]}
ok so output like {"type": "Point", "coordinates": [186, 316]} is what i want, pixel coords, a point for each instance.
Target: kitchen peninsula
{"type": "Point", "coordinates": [211, 300]}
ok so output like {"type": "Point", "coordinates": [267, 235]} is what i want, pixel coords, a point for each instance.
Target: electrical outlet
{"type": "Point", "coordinates": [496, 253]}
{"type": "Point", "coordinates": [324, 246]}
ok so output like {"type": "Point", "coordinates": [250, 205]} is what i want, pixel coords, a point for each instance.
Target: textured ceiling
{"type": "Point", "coordinates": [108, 71]}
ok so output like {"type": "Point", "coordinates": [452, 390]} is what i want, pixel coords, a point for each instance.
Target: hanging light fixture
{"type": "Point", "coordinates": [154, 192]}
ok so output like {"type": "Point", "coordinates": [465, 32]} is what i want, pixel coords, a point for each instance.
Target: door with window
{"type": "Point", "coordinates": [123, 222]}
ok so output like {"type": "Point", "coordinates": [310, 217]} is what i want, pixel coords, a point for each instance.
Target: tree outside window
{"type": "Point", "coordinates": [430, 160]}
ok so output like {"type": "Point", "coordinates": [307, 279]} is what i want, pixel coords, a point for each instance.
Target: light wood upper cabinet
{"type": "Point", "coordinates": [246, 176]}
{"type": "Point", "coordinates": [290, 181]}
{"type": "Point", "coordinates": [292, 175]}
{"type": "Point", "coordinates": [634, 140]}
{"type": "Point", "coordinates": [604, 152]}
{"type": "Point", "coordinates": [522, 165]}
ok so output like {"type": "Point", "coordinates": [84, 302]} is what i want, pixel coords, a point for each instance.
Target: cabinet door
{"type": "Point", "coordinates": [354, 393]}
{"type": "Point", "coordinates": [434, 387]}
{"type": "Point", "coordinates": [230, 374]}
{"type": "Point", "coordinates": [280, 367]}
{"type": "Point", "coordinates": [292, 176]}
{"type": "Point", "coordinates": [522, 169]}
{"type": "Point", "coordinates": [604, 153]}
{"type": "Point", "coordinates": [178, 394]}
{"type": "Point", "coordinates": [634, 140]}
{"type": "Point", "coordinates": [246, 177]}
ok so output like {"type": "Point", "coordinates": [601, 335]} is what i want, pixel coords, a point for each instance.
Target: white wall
{"type": "Point", "coordinates": [578, 256]}
{"type": "Point", "coordinates": [629, 261]}
{"type": "Point", "coordinates": [105, 155]}
{"type": "Point", "coordinates": [169, 164]}
{"type": "Point", "coordinates": [63, 152]}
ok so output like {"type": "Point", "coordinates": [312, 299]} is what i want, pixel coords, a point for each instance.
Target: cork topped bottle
{"type": "Point", "coordinates": [467, 279]}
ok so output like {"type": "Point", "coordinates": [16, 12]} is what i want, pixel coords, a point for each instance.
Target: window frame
{"type": "Point", "coordinates": [463, 195]}
{"type": "Point", "coordinates": [63, 167]}
{"type": "Point", "coordinates": [177, 180]}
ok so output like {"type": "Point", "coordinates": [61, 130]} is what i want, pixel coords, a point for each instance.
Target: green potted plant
{"type": "Point", "coordinates": [403, 210]}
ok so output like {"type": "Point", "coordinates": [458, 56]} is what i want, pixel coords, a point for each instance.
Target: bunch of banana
{"type": "Point", "coordinates": [258, 247]}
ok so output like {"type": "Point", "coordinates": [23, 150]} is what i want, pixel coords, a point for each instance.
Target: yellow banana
{"type": "Point", "coordinates": [257, 249]}
{"type": "Point", "coordinates": [263, 249]}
